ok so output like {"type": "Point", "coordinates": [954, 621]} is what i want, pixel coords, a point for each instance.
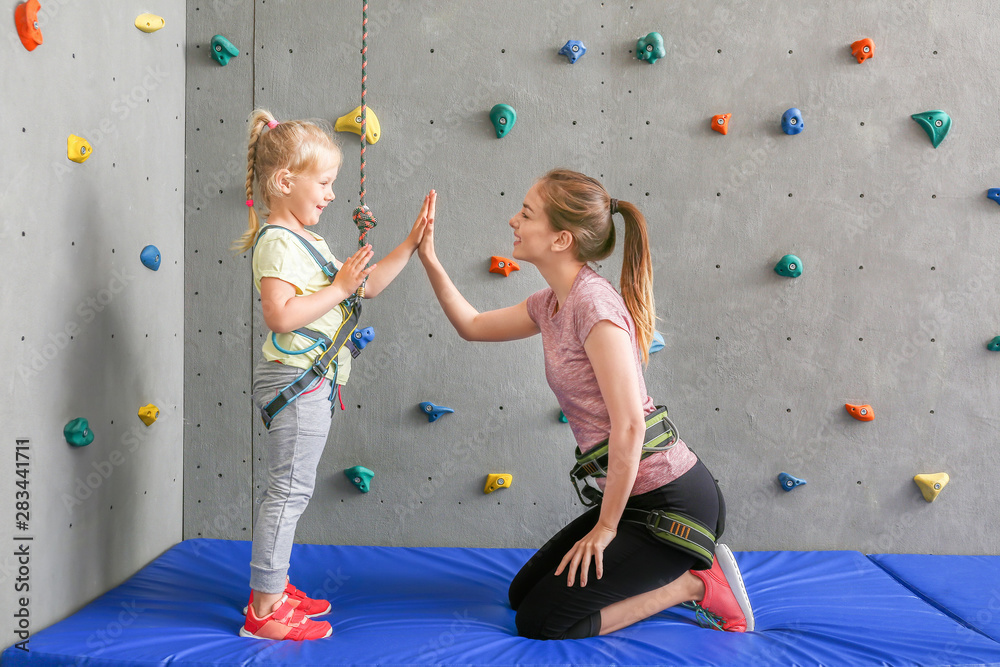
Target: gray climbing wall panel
{"type": "Point", "coordinates": [894, 307]}
{"type": "Point", "coordinates": [89, 331]}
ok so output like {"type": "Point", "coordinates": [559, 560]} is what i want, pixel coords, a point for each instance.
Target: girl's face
{"type": "Point", "coordinates": [309, 193]}
{"type": "Point", "coordinates": [534, 237]}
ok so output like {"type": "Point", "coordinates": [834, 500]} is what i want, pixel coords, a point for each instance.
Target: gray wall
{"type": "Point", "coordinates": [757, 367]}
{"type": "Point", "coordinates": [89, 331]}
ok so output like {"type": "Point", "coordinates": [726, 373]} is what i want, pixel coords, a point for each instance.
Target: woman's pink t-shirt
{"type": "Point", "coordinates": [571, 375]}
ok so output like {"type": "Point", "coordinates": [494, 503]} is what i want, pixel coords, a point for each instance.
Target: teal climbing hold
{"type": "Point", "coordinates": [935, 123]}
{"type": "Point", "coordinates": [223, 50]}
{"type": "Point", "coordinates": [562, 417]}
{"type": "Point", "coordinates": [650, 48]}
{"type": "Point", "coordinates": [657, 343]}
{"type": "Point", "coordinates": [994, 345]}
{"type": "Point", "coordinates": [503, 118]}
{"type": "Point", "coordinates": [789, 266]}
{"type": "Point", "coordinates": [77, 432]}
{"type": "Point", "coordinates": [788, 482]}
{"type": "Point", "coordinates": [360, 477]}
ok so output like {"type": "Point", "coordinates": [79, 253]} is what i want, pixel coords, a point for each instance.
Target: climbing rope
{"type": "Point", "coordinates": [363, 217]}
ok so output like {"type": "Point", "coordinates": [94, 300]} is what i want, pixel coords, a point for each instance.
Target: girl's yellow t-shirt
{"type": "Point", "coordinates": [280, 255]}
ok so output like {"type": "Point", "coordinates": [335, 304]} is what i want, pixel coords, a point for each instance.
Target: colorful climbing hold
{"type": "Point", "coordinates": [994, 345]}
{"type": "Point", "coordinates": [77, 432]}
{"type": "Point", "coordinates": [935, 123]}
{"type": "Point", "coordinates": [149, 22]}
{"type": "Point", "coordinates": [657, 343]}
{"type": "Point", "coordinates": [503, 118]}
{"type": "Point", "coordinates": [650, 48]}
{"type": "Point", "coordinates": [562, 418]}
{"type": "Point", "coordinates": [26, 21]}
{"type": "Point", "coordinates": [150, 257]}
{"type": "Point", "coordinates": [863, 49]}
{"type": "Point", "coordinates": [497, 481]}
{"type": "Point", "coordinates": [994, 194]}
{"type": "Point", "coordinates": [503, 266]}
{"type": "Point", "coordinates": [78, 149]}
{"type": "Point", "coordinates": [360, 477]}
{"type": "Point", "coordinates": [791, 121]}
{"type": "Point", "coordinates": [789, 482]}
{"type": "Point", "coordinates": [720, 122]}
{"type": "Point", "coordinates": [223, 50]}
{"type": "Point", "coordinates": [573, 50]}
{"type": "Point", "coordinates": [931, 484]}
{"type": "Point", "coordinates": [362, 337]}
{"type": "Point", "coordinates": [434, 411]}
{"type": "Point", "coordinates": [863, 413]}
{"type": "Point", "coordinates": [351, 122]}
{"type": "Point", "coordinates": [789, 266]}
{"type": "Point", "coordinates": [148, 414]}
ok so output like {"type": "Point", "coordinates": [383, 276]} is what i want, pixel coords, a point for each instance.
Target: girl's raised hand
{"type": "Point", "coordinates": [426, 247]}
{"type": "Point", "coordinates": [353, 272]}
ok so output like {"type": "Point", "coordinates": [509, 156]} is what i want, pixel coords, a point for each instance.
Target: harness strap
{"type": "Point", "coordinates": [328, 267]}
{"type": "Point", "coordinates": [676, 529]}
{"type": "Point", "coordinates": [661, 435]}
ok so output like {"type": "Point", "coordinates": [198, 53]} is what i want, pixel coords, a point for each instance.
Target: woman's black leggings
{"type": "Point", "coordinates": [635, 562]}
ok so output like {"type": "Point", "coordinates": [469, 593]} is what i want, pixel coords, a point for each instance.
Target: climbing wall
{"type": "Point", "coordinates": [896, 239]}
{"type": "Point", "coordinates": [90, 332]}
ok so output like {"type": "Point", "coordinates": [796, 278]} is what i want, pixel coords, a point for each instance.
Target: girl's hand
{"type": "Point", "coordinates": [417, 233]}
{"type": "Point", "coordinates": [591, 546]}
{"type": "Point", "coordinates": [353, 272]}
{"type": "Point", "coordinates": [426, 247]}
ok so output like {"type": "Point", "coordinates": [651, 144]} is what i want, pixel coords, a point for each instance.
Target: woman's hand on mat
{"type": "Point", "coordinates": [353, 270]}
{"type": "Point", "coordinates": [417, 233]}
{"type": "Point", "coordinates": [590, 547]}
{"type": "Point", "coordinates": [426, 247]}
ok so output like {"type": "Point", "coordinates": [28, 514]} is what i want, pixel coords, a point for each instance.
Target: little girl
{"type": "Point", "coordinates": [294, 164]}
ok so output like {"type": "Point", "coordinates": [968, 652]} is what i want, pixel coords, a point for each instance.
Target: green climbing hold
{"type": "Point", "coordinates": [650, 48]}
{"type": "Point", "coordinates": [360, 477]}
{"type": "Point", "coordinates": [935, 123]}
{"type": "Point", "coordinates": [994, 345]}
{"type": "Point", "coordinates": [789, 266]}
{"type": "Point", "coordinates": [503, 118]}
{"type": "Point", "coordinates": [78, 433]}
{"type": "Point", "coordinates": [562, 417]}
{"type": "Point", "coordinates": [223, 50]}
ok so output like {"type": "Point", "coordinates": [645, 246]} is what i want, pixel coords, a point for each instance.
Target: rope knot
{"type": "Point", "coordinates": [365, 221]}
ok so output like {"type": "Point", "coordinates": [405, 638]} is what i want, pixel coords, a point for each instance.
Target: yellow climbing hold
{"type": "Point", "coordinates": [351, 122]}
{"type": "Point", "coordinates": [149, 22]}
{"type": "Point", "coordinates": [494, 482]}
{"type": "Point", "coordinates": [78, 149]}
{"type": "Point", "coordinates": [931, 484]}
{"type": "Point", "coordinates": [148, 414]}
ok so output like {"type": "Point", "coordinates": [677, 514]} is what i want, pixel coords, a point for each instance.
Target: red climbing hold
{"type": "Point", "coordinates": [863, 413]}
{"type": "Point", "coordinates": [503, 266]}
{"type": "Point", "coordinates": [720, 122]}
{"type": "Point", "coordinates": [26, 20]}
{"type": "Point", "coordinates": [863, 49]}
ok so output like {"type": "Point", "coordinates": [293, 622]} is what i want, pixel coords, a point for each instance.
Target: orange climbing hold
{"type": "Point", "coordinates": [863, 413]}
{"type": "Point", "coordinates": [503, 266]}
{"type": "Point", "coordinates": [720, 122]}
{"type": "Point", "coordinates": [26, 20]}
{"type": "Point", "coordinates": [863, 49]}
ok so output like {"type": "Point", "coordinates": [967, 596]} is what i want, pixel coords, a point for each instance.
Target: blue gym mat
{"type": "Point", "coordinates": [448, 606]}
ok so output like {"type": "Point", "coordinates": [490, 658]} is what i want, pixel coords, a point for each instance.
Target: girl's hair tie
{"type": "Point", "coordinates": [614, 206]}
{"type": "Point", "coordinates": [271, 124]}
{"type": "Point", "coordinates": [250, 203]}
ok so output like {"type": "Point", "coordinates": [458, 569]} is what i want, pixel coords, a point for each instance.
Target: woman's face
{"type": "Point", "coordinates": [533, 233]}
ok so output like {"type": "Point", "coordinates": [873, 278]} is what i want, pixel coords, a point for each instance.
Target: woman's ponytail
{"type": "Point", "coordinates": [637, 277]}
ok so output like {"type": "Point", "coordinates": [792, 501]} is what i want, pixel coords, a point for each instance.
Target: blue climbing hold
{"type": "Point", "coordinates": [573, 49]}
{"type": "Point", "coordinates": [362, 337]}
{"type": "Point", "coordinates": [994, 194]}
{"type": "Point", "coordinates": [223, 50]}
{"type": "Point", "coordinates": [360, 477]}
{"type": "Point", "coordinates": [150, 257]}
{"type": "Point", "coordinates": [788, 482]}
{"type": "Point", "coordinates": [789, 266]}
{"type": "Point", "coordinates": [935, 123]}
{"type": "Point", "coordinates": [994, 345]}
{"type": "Point", "coordinates": [791, 121]}
{"type": "Point", "coordinates": [433, 411]}
{"type": "Point", "coordinates": [650, 48]}
{"type": "Point", "coordinates": [657, 343]}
